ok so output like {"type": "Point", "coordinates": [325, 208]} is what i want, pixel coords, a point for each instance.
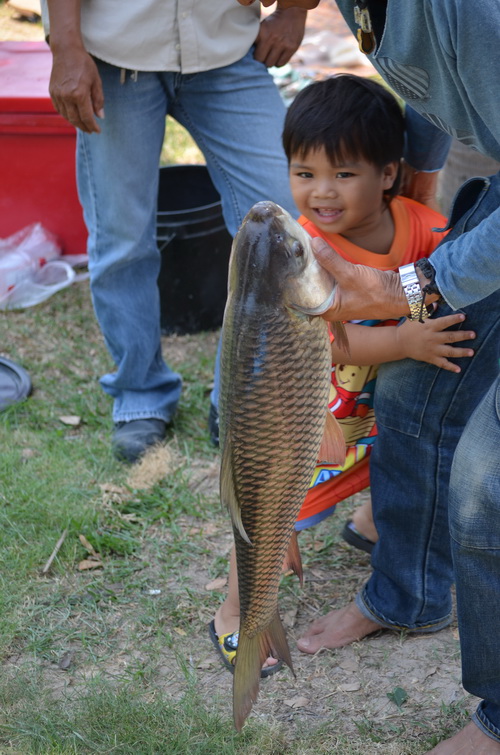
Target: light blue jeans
{"type": "Point", "coordinates": [475, 539]}
{"type": "Point", "coordinates": [422, 414]}
{"type": "Point", "coordinates": [235, 114]}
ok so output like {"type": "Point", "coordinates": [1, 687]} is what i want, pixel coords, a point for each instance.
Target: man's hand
{"type": "Point", "coordinates": [362, 292]}
{"type": "Point", "coordinates": [76, 89]}
{"type": "Point", "coordinates": [279, 36]}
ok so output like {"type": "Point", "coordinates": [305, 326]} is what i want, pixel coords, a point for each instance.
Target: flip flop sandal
{"type": "Point", "coordinates": [355, 538]}
{"type": "Point", "coordinates": [226, 646]}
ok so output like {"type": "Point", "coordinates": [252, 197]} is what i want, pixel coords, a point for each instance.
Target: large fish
{"type": "Point", "coordinates": [276, 366]}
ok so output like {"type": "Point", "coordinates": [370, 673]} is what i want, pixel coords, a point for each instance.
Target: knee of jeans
{"type": "Point", "coordinates": [474, 499]}
{"type": "Point", "coordinates": [474, 504]}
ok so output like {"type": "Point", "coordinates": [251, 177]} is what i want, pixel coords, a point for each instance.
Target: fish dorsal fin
{"type": "Point", "coordinates": [227, 489]}
{"type": "Point", "coordinates": [333, 444]}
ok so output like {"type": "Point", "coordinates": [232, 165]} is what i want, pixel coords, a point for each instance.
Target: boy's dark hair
{"type": "Point", "coordinates": [350, 117]}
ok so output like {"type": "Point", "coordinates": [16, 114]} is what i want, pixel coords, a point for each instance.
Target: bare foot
{"type": "Point", "coordinates": [469, 741]}
{"type": "Point", "coordinates": [336, 629]}
{"type": "Point", "coordinates": [362, 520]}
{"type": "Point", "coordinates": [226, 623]}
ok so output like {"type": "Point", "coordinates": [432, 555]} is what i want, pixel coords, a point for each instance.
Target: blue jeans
{"type": "Point", "coordinates": [421, 414]}
{"type": "Point", "coordinates": [235, 114]}
{"type": "Point", "coordinates": [475, 539]}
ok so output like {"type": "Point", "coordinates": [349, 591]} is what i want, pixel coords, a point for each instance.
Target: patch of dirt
{"type": "Point", "coordinates": [17, 27]}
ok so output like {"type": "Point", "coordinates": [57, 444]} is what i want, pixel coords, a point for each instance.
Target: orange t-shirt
{"type": "Point", "coordinates": [413, 236]}
{"type": "Point", "coordinates": [352, 387]}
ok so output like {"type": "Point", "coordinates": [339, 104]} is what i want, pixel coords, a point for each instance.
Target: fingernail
{"type": "Point", "coordinates": [100, 113]}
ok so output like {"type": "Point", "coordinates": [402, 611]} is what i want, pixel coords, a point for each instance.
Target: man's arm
{"type": "Point", "coordinates": [75, 85]}
{"type": "Point", "coordinates": [425, 155]}
{"type": "Point", "coordinates": [280, 35]}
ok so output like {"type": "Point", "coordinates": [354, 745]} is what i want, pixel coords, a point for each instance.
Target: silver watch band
{"type": "Point", "coordinates": [413, 292]}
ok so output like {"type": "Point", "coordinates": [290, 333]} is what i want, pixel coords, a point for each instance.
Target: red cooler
{"type": "Point", "coordinates": [37, 150]}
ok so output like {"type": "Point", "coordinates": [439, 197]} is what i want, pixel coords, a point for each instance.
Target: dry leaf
{"type": "Point", "coordinates": [88, 546]}
{"type": "Point", "coordinates": [353, 687]}
{"type": "Point", "coordinates": [71, 419]}
{"type": "Point", "coordinates": [89, 563]}
{"type": "Point", "coordinates": [205, 664]}
{"type": "Point", "coordinates": [216, 584]}
{"type": "Point", "coordinates": [297, 702]}
{"type": "Point", "coordinates": [180, 631]}
{"type": "Point", "coordinates": [289, 617]}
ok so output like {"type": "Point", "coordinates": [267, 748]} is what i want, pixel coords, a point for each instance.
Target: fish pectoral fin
{"type": "Point", "coordinates": [227, 491]}
{"type": "Point", "coordinates": [340, 335]}
{"type": "Point", "coordinates": [250, 657]}
{"type": "Point", "coordinates": [293, 560]}
{"type": "Point", "coordinates": [332, 448]}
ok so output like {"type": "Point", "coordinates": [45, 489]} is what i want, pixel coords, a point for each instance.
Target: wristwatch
{"type": "Point", "coordinates": [413, 293]}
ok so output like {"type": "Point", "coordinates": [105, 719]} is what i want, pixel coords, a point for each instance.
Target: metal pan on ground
{"type": "Point", "coordinates": [15, 383]}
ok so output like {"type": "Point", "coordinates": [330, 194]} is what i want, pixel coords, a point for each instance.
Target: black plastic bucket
{"type": "Point", "coordinates": [195, 246]}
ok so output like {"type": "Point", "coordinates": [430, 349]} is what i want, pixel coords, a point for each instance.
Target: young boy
{"type": "Point", "coordinates": [344, 140]}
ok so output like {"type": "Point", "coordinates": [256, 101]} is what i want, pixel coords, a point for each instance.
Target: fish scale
{"type": "Point", "coordinates": [280, 471]}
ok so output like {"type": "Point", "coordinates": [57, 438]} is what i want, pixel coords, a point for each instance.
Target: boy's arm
{"type": "Point", "coordinates": [426, 341]}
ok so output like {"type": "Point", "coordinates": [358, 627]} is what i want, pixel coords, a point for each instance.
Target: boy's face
{"type": "Point", "coordinates": [306, 4]}
{"type": "Point", "coordinates": [345, 199]}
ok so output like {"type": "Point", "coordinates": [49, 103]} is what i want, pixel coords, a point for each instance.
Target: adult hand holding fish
{"type": "Point", "coordinates": [276, 363]}
{"type": "Point", "coordinates": [363, 292]}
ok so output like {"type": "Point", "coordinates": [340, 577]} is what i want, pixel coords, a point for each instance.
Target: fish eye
{"type": "Point", "coordinates": [297, 249]}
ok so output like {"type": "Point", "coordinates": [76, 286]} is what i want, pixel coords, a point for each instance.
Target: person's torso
{"type": "Point", "coordinates": [440, 57]}
{"type": "Point", "coordinates": [186, 36]}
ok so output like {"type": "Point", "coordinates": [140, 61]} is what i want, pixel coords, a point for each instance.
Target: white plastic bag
{"type": "Point", "coordinates": [31, 268]}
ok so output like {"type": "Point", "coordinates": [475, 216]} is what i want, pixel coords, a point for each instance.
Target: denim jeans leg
{"type": "Point", "coordinates": [475, 538]}
{"type": "Point", "coordinates": [421, 413]}
{"type": "Point", "coordinates": [118, 183]}
{"type": "Point", "coordinates": [236, 116]}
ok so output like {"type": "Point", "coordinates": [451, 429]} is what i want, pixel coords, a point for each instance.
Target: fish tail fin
{"type": "Point", "coordinates": [252, 652]}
